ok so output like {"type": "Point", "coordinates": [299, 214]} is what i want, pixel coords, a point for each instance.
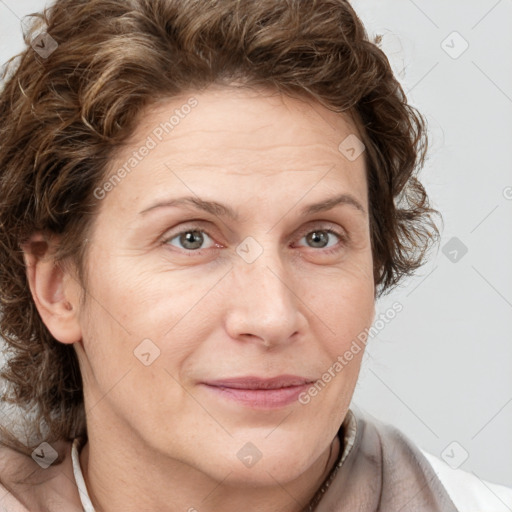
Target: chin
{"type": "Point", "coordinates": [264, 461]}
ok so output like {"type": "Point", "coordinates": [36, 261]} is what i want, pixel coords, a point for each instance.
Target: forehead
{"type": "Point", "coordinates": [228, 137]}
{"type": "Point", "coordinates": [246, 118]}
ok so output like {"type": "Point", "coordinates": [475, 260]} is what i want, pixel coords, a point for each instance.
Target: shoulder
{"type": "Point", "coordinates": [38, 483]}
{"type": "Point", "coordinates": [9, 503]}
{"type": "Point", "coordinates": [402, 456]}
{"type": "Point", "coordinates": [14, 469]}
{"type": "Point", "coordinates": [468, 492]}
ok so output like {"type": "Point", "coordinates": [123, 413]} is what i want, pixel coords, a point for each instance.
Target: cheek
{"type": "Point", "coordinates": [347, 308]}
{"type": "Point", "coordinates": [134, 317]}
{"type": "Point", "coordinates": [344, 298]}
{"type": "Point", "coordinates": [129, 299]}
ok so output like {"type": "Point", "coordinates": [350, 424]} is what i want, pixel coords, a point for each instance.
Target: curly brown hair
{"type": "Point", "coordinates": [63, 115]}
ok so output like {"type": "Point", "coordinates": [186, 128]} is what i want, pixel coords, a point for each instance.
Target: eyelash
{"type": "Point", "coordinates": [342, 236]}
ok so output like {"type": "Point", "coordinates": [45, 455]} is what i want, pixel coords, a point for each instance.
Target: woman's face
{"type": "Point", "coordinates": [252, 285]}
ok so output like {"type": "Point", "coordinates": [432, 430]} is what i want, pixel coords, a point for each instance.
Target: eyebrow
{"type": "Point", "coordinates": [222, 210]}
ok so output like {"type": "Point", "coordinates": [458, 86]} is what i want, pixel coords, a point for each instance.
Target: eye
{"type": "Point", "coordinates": [319, 239]}
{"type": "Point", "coordinates": [190, 239]}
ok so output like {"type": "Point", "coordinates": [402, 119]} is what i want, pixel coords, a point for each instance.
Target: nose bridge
{"type": "Point", "coordinates": [265, 304]}
{"type": "Point", "coordinates": [262, 269]}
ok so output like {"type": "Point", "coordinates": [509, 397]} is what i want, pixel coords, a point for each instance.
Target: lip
{"type": "Point", "coordinates": [258, 392]}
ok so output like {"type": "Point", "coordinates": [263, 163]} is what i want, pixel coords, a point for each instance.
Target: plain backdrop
{"type": "Point", "coordinates": [441, 369]}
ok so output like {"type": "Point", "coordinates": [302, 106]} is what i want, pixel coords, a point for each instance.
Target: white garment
{"type": "Point", "coordinates": [79, 477]}
{"type": "Point", "coordinates": [468, 492]}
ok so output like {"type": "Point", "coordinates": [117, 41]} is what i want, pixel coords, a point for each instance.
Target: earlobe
{"type": "Point", "coordinates": [54, 290]}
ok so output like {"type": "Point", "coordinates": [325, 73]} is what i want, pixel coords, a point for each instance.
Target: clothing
{"type": "Point", "coordinates": [380, 469]}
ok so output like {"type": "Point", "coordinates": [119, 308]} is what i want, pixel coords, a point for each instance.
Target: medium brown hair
{"type": "Point", "coordinates": [63, 116]}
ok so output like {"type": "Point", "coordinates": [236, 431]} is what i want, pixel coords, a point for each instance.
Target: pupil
{"type": "Point", "coordinates": [189, 239]}
{"type": "Point", "coordinates": [318, 236]}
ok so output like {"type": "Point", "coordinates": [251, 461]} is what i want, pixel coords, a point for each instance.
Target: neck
{"type": "Point", "coordinates": [121, 473]}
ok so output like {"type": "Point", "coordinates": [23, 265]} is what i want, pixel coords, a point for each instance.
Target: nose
{"type": "Point", "coordinates": [264, 305]}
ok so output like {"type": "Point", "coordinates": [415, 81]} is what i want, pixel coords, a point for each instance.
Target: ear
{"type": "Point", "coordinates": [56, 293]}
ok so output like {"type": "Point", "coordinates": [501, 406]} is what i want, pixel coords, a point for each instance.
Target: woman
{"type": "Point", "coordinates": [201, 203]}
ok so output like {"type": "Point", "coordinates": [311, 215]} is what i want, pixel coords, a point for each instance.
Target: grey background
{"type": "Point", "coordinates": [441, 370]}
